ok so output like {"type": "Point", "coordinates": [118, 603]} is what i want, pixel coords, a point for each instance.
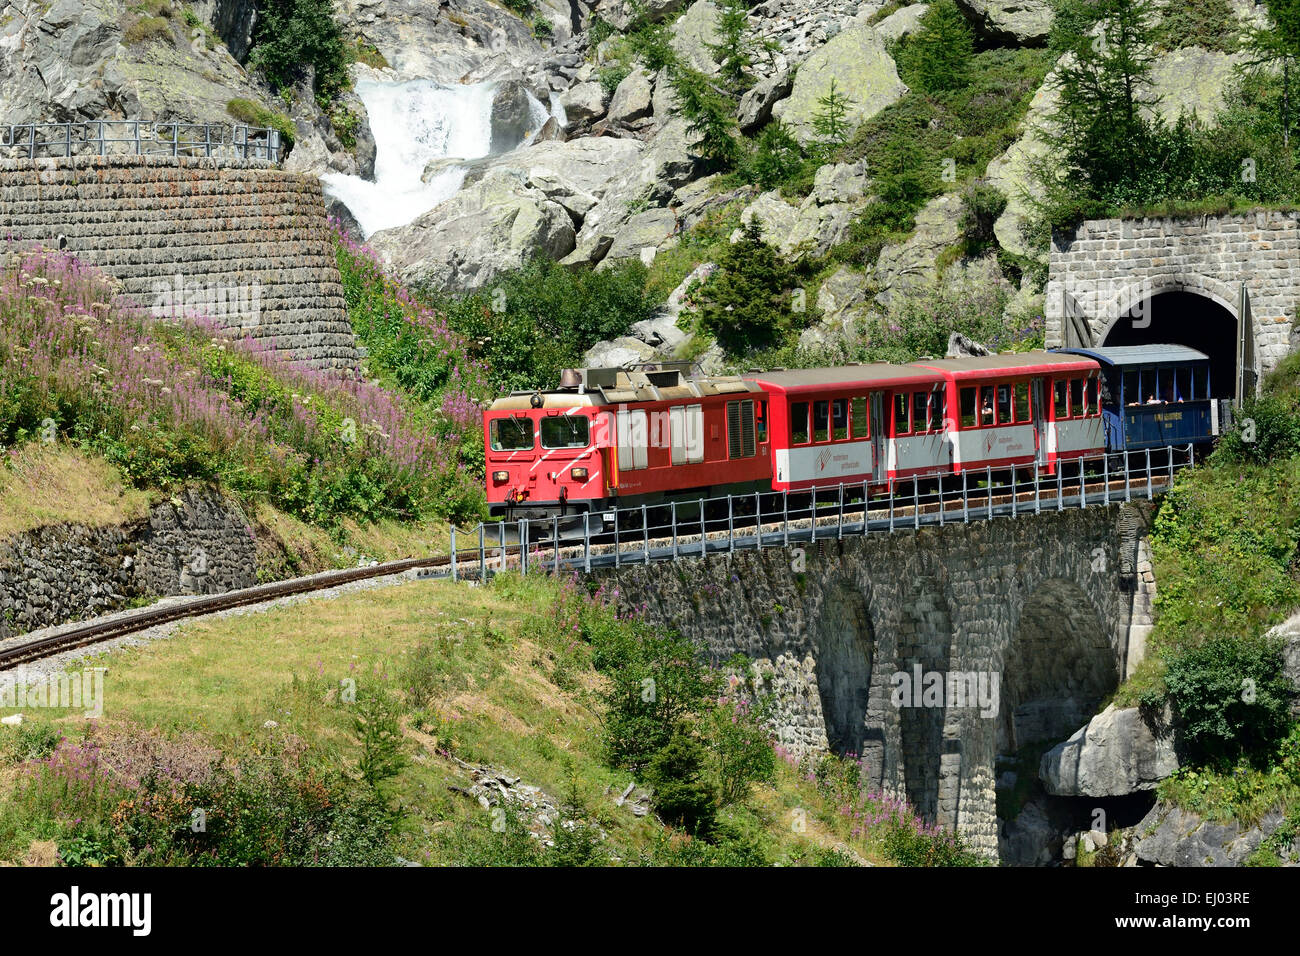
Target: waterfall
{"type": "Point", "coordinates": [413, 123]}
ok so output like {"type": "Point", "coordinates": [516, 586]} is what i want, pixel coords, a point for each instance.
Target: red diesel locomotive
{"type": "Point", "coordinates": [622, 437]}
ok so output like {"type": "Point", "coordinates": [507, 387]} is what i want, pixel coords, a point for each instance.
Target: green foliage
{"type": "Point", "coordinates": [35, 740]}
{"type": "Point", "coordinates": [1231, 697]}
{"type": "Point", "coordinates": [747, 302]}
{"type": "Point", "coordinates": [711, 116]}
{"type": "Point", "coordinates": [144, 29]}
{"type": "Point", "coordinates": [938, 57]}
{"type": "Point", "coordinates": [1208, 24]}
{"type": "Point", "coordinates": [578, 842]}
{"type": "Point", "coordinates": [1266, 429]}
{"type": "Point", "coordinates": [982, 204]}
{"type": "Point", "coordinates": [683, 796]}
{"type": "Point", "coordinates": [521, 8]}
{"type": "Point", "coordinates": [776, 158]}
{"type": "Point", "coordinates": [377, 724]}
{"type": "Point", "coordinates": [255, 114]}
{"type": "Point", "coordinates": [736, 46]}
{"type": "Point", "coordinates": [611, 76]}
{"type": "Point", "coordinates": [292, 35]}
{"type": "Point", "coordinates": [830, 121]}
{"type": "Point", "coordinates": [532, 323]}
{"type": "Point", "coordinates": [345, 123]}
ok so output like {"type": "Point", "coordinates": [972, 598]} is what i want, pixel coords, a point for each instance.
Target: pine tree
{"type": "Point", "coordinates": [736, 45]}
{"type": "Point", "coordinates": [938, 56]}
{"type": "Point", "coordinates": [1279, 44]}
{"type": "Point", "coordinates": [830, 121]}
{"type": "Point", "coordinates": [746, 303]}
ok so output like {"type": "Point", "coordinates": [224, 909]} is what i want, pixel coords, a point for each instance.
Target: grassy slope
{"type": "Point", "coordinates": [53, 484]}
{"type": "Point", "coordinates": [509, 693]}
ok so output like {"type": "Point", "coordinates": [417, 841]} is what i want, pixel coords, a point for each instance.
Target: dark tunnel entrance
{"type": "Point", "coordinates": [1185, 318]}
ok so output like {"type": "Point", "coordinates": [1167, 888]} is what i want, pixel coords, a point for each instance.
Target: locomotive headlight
{"type": "Point", "coordinates": [500, 476]}
{"type": "Point", "coordinates": [580, 474]}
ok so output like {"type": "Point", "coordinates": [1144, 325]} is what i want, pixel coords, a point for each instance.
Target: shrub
{"type": "Point", "coordinates": [937, 58]}
{"type": "Point", "coordinates": [292, 35]}
{"type": "Point", "coordinates": [1231, 696]}
{"type": "Point", "coordinates": [775, 159]}
{"type": "Point", "coordinates": [1267, 429]}
{"type": "Point", "coordinates": [746, 303]}
{"type": "Point", "coordinates": [982, 204]}
{"type": "Point", "coordinates": [254, 114]}
{"type": "Point", "coordinates": [377, 725]}
{"type": "Point", "coordinates": [683, 797]}
{"type": "Point", "coordinates": [1208, 24]}
{"type": "Point", "coordinates": [145, 29]}
{"type": "Point", "coordinates": [611, 76]}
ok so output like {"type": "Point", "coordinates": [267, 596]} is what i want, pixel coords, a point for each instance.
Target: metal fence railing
{"type": "Point", "coordinates": [139, 138]}
{"type": "Point", "coordinates": [730, 523]}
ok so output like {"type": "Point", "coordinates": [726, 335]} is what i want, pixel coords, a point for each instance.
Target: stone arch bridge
{"type": "Point", "coordinates": [1055, 608]}
{"type": "Point", "coordinates": [1227, 285]}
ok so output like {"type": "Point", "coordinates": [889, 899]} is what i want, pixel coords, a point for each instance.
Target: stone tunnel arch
{"type": "Point", "coordinates": [1057, 668]}
{"type": "Point", "coordinates": [1195, 312]}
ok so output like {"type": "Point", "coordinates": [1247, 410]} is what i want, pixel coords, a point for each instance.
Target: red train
{"type": "Point", "coordinates": [611, 437]}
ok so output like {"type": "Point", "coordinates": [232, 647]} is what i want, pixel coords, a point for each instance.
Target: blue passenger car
{"type": "Point", "coordinates": [1155, 395]}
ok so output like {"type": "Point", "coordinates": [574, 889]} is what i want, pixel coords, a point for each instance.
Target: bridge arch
{"type": "Point", "coordinates": [1059, 663]}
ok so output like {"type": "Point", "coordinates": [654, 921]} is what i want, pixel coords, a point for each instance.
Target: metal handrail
{"type": "Point", "coordinates": [141, 138]}
{"type": "Point", "coordinates": [782, 524]}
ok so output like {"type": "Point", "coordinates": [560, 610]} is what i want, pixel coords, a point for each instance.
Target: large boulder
{"type": "Point", "coordinates": [633, 99]}
{"type": "Point", "coordinates": [621, 13]}
{"type": "Point", "coordinates": [588, 163]}
{"type": "Point", "coordinates": [694, 32]}
{"type": "Point", "coordinates": [452, 41]}
{"type": "Point", "coordinates": [494, 226]}
{"type": "Point", "coordinates": [1010, 22]}
{"type": "Point", "coordinates": [584, 103]}
{"type": "Point", "coordinates": [1114, 754]}
{"type": "Point", "coordinates": [913, 263]}
{"type": "Point", "coordinates": [901, 23]}
{"type": "Point", "coordinates": [863, 71]}
{"type": "Point", "coordinates": [1170, 836]}
{"type": "Point", "coordinates": [756, 104]}
{"type": "Point", "coordinates": [514, 116]}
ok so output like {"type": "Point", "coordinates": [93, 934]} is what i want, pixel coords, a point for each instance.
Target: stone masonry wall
{"type": "Point", "coordinates": [241, 228]}
{"type": "Point", "coordinates": [1110, 265]}
{"type": "Point", "coordinates": [1046, 602]}
{"type": "Point", "coordinates": [198, 543]}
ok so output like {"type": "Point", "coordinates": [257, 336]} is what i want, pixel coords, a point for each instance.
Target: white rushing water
{"type": "Point", "coordinates": [413, 123]}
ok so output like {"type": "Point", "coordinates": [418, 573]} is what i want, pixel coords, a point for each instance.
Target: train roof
{"type": "Point", "coordinates": [1121, 355]}
{"type": "Point", "coordinates": [818, 379]}
{"type": "Point", "coordinates": [973, 366]}
{"type": "Point", "coordinates": [602, 387]}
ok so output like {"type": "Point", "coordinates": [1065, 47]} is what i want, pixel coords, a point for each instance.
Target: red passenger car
{"type": "Point", "coordinates": [612, 436]}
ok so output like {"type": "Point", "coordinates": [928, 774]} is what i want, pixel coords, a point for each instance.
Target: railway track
{"type": "Point", "coordinates": [994, 504]}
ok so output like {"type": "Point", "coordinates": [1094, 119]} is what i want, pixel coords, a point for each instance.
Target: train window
{"type": "Point", "coordinates": [1004, 405]}
{"type": "Point", "coordinates": [1076, 397]}
{"type": "Point", "coordinates": [839, 419]}
{"type": "Point", "coordinates": [1132, 389]}
{"type": "Point", "coordinates": [986, 405]}
{"type": "Point", "coordinates": [920, 414]}
{"type": "Point", "coordinates": [1022, 402]}
{"type": "Point", "coordinates": [1060, 405]}
{"type": "Point", "coordinates": [1094, 394]}
{"type": "Point", "coordinates": [901, 424]}
{"type": "Point", "coordinates": [858, 420]}
{"type": "Point", "coordinates": [740, 429]}
{"type": "Point", "coordinates": [760, 422]}
{"type": "Point", "coordinates": [938, 410]}
{"type": "Point", "coordinates": [821, 420]}
{"type": "Point", "coordinates": [967, 408]}
{"type": "Point", "coordinates": [512, 434]}
{"type": "Point", "coordinates": [799, 423]}
{"type": "Point", "coordinates": [565, 431]}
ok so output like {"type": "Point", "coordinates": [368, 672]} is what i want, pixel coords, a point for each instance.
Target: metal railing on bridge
{"type": "Point", "coordinates": [764, 519]}
{"type": "Point", "coordinates": [138, 138]}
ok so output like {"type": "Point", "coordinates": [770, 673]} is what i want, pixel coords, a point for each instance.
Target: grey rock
{"type": "Point", "coordinates": [756, 104]}
{"type": "Point", "coordinates": [1170, 836]}
{"type": "Point", "coordinates": [693, 32]}
{"type": "Point", "coordinates": [902, 22]}
{"type": "Point", "coordinates": [1013, 22]}
{"type": "Point", "coordinates": [632, 99]}
{"type": "Point", "coordinates": [1115, 754]}
{"type": "Point", "coordinates": [584, 103]}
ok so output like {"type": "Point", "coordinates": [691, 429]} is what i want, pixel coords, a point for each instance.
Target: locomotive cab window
{"type": "Point", "coordinates": [512, 434]}
{"type": "Point", "coordinates": [967, 408]}
{"type": "Point", "coordinates": [901, 424]}
{"type": "Point", "coordinates": [799, 423]}
{"type": "Point", "coordinates": [740, 429]}
{"type": "Point", "coordinates": [565, 431]}
{"type": "Point", "coordinates": [858, 417]}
